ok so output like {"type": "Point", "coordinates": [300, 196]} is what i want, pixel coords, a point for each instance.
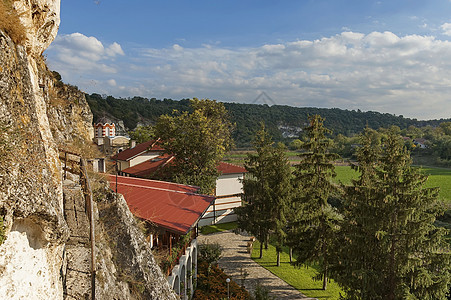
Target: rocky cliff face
{"type": "Point", "coordinates": [38, 114]}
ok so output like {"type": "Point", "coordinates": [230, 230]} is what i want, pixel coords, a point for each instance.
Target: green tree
{"type": "Point", "coordinates": [267, 191]}
{"type": "Point", "coordinates": [142, 134]}
{"type": "Point", "coordinates": [198, 139]}
{"type": "Point", "coordinates": [390, 247]}
{"type": "Point", "coordinates": [314, 226]}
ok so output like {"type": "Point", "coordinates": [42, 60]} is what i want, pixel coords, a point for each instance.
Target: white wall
{"type": "Point", "coordinates": [143, 157]}
{"type": "Point", "coordinates": [190, 256]}
{"type": "Point", "coordinates": [229, 184]}
{"type": "Point", "coordinates": [123, 165]}
{"type": "Point", "coordinates": [222, 212]}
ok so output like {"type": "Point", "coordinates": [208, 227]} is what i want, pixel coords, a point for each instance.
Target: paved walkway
{"type": "Point", "coordinates": [235, 256]}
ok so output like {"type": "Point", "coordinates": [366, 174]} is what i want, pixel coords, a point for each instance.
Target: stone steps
{"type": "Point", "coordinates": [78, 252]}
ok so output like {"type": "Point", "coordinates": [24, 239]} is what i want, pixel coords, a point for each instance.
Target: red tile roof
{"type": "Point", "coordinates": [139, 149]}
{"type": "Point", "coordinates": [149, 167]}
{"type": "Point", "coordinates": [168, 205]}
{"type": "Point", "coordinates": [227, 168]}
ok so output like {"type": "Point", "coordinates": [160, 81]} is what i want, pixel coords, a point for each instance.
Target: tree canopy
{"type": "Point", "coordinates": [390, 247]}
{"type": "Point", "coordinates": [198, 140]}
{"type": "Point", "coordinates": [267, 191]}
{"type": "Point", "coordinates": [247, 117]}
{"type": "Point", "coordinates": [314, 223]}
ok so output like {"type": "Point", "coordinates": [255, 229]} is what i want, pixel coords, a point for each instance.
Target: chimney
{"type": "Point", "coordinates": [132, 143]}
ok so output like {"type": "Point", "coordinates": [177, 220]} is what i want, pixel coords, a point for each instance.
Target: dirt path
{"type": "Point", "coordinates": [236, 257]}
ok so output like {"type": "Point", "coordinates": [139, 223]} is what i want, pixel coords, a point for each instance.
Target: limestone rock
{"type": "Point", "coordinates": [38, 114]}
{"type": "Point", "coordinates": [41, 19]}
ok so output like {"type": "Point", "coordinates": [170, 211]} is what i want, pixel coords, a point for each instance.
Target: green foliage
{"type": "Point", "coordinates": [170, 260]}
{"type": "Point", "coordinates": [211, 280]}
{"type": "Point", "coordinates": [248, 116]}
{"type": "Point", "coordinates": [267, 190]}
{"type": "Point", "coordinates": [198, 140]}
{"type": "Point", "coordinates": [390, 248]}
{"type": "Point", "coordinates": [261, 293]}
{"type": "Point", "coordinates": [296, 144]}
{"type": "Point", "coordinates": [313, 225]}
{"type": "Point", "coordinates": [142, 134]}
{"type": "Point", "coordinates": [211, 284]}
{"type": "Point", "coordinates": [210, 253]}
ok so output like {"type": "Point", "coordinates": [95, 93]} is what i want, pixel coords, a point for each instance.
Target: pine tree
{"type": "Point", "coordinates": [314, 224]}
{"type": "Point", "coordinates": [267, 190]}
{"type": "Point", "coordinates": [391, 248]}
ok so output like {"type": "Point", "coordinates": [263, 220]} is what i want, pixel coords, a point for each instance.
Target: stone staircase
{"type": "Point", "coordinates": [77, 277]}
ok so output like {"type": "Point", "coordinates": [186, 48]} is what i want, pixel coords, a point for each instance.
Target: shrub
{"type": "Point", "coordinates": [261, 293]}
{"type": "Point", "coordinates": [211, 284]}
{"type": "Point", "coordinates": [10, 22]}
{"type": "Point", "coordinates": [210, 253]}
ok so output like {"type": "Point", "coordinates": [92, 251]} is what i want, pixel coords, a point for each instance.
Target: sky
{"type": "Point", "coordinates": [390, 56]}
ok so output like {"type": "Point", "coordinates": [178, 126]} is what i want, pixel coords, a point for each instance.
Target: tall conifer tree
{"type": "Point", "coordinates": [314, 226]}
{"type": "Point", "coordinates": [391, 248]}
{"type": "Point", "coordinates": [267, 191]}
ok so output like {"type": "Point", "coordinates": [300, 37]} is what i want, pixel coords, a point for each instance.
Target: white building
{"type": "Point", "coordinates": [146, 159]}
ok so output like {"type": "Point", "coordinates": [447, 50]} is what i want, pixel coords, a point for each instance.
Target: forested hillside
{"type": "Point", "coordinates": [283, 122]}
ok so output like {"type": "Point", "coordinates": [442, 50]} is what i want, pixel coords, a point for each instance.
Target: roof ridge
{"type": "Point", "coordinates": [230, 164]}
{"type": "Point", "coordinates": [162, 189]}
{"type": "Point", "coordinates": [145, 179]}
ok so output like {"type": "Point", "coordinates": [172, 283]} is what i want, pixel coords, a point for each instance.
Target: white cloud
{"type": "Point", "coordinates": [379, 71]}
{"type": "Point", "coordinates": [77, 55]}
{"type": "Point", "coordinates": [114, 49]}
{"type": "Point", "coordinates": [446, 27]}
{"type": "Point", "coordinates": [177, 47]}
{"type": "Point", "coordinates": [112, 82]}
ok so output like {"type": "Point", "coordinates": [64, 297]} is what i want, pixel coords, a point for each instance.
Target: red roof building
{"type": "Point", "coordinates": [147, 160]}
{"type": "Point", "coordinates": [138, 154]}
{"type": "Point", "coordinates": [173, 210]}
{"type": "Point", "coordinates": [228, 168]}
{"type": "Point", "coordinates": [149, 167]}
{"type": "Point", "coordinates": [174, 207]}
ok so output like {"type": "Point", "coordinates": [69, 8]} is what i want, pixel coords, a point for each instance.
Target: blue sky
{"type": "Point", "coordinates": [386, 56]}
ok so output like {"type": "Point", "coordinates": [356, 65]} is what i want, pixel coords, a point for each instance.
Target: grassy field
{"type": "Point", "coordinates": [438, 177]}
{"type": "Point", "coordinates": [218, 227]}
{"type": "Point", "coordinates": [345, 174]}
{"type": "Point", "coordinates": [299, 278]}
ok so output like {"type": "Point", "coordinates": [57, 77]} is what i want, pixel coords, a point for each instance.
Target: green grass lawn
{"type": "Point", "coordinates": [345, 174]}
{"type": "Point", "coordinates": [299, 278]}
{"type": "Point", "coordinates": [438, 177]}
{"type": "Point", "coordinates": [218, 228]}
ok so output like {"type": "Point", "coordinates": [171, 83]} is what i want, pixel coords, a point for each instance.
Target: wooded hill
{"type": "Point", "coordinates": [283, 122]}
